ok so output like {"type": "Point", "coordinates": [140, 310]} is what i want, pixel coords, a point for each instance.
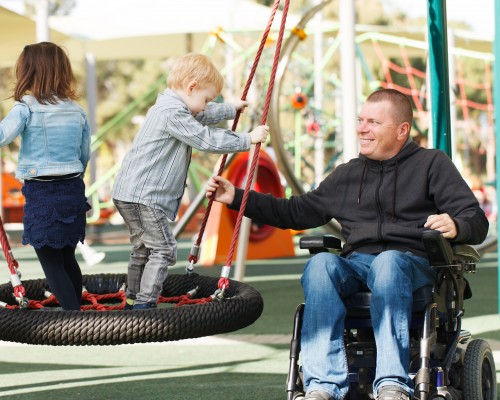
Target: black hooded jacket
{"type": "Point", "coordinates": [380, 205]}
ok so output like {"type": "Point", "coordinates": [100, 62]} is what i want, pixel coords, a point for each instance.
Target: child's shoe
{"type": "Point", "coordinates": [129, 304]}
{"type": "Point", "coordinates": [144, 306]}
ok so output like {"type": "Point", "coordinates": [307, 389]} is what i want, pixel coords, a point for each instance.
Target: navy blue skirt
{"type": "Point", "coordinates": [54, 213]}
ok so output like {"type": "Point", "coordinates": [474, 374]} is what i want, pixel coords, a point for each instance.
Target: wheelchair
{"type": "Point", "coordinates": [445, 362]}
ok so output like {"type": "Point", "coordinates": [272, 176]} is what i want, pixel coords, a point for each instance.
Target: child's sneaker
{"type": "Point", "coordinates": [129, 304]}
{"type": "Point", "coordinates": [144, 306]}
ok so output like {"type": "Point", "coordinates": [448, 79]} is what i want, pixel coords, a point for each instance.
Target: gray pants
{"type": "Point", "coordinates": [154, 248]}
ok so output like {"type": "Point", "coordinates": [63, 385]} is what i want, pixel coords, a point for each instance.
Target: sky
{"type": "Point", "coordinates": [479, 14]}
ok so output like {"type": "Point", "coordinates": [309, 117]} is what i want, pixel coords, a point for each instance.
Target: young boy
{"type": "Point", "coordinates": [151, 181]}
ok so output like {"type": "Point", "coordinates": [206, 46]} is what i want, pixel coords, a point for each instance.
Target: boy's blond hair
{"type": "Point", "coordinates": [194, 67]}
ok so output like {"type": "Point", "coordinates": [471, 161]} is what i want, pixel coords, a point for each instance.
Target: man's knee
{"type": "Point", "coordinates": [319, 268]}
{"type": "Point", "coordinates": [389, 256]}
{"type": "Point", "coordinates": [390, 269]}
{"type": "Point", "coordinates": [317, 263]}
{"type": "Point", "coordinates": [391, 262]}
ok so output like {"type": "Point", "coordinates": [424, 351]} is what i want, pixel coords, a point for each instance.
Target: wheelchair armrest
{"type": "Point", "coordinates": [319, 244]}
{"type": "Point", "coordinates": [440, 251]}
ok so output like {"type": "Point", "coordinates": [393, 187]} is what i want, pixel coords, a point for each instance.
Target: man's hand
{"type": "Point", "coordinates": [220, 189]}
{"type": "Point", "coordinates": [442, 223]}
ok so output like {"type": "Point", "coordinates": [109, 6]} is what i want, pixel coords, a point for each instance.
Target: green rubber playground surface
{"type": "Point", "coordinates": [248, 364]}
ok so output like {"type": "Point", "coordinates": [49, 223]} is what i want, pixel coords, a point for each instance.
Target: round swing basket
{"type": "Point", "coordinates": [240, 307]}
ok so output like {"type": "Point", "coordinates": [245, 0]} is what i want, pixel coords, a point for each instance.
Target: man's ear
{"type": "Point", "coordinates": [191, 85]}
{"type": "Point", "coordinates": [404, 130]}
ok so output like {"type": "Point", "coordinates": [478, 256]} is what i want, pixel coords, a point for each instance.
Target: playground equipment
{"type": "Point", "coordinates": [12, 199]}
{"type": "Point", "coordinates": [104, 323]}
{"type": "Point", "coordinates": [238, 308]}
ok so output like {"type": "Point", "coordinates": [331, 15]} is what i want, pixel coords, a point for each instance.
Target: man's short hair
{"type": "Point", "coordinates": [401, 105]}
{"type": "Point", "coordinates": [194, 67]}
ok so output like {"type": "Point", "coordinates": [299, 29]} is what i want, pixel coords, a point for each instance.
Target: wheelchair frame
{"type": "Point", "coordinates": [444, 362]}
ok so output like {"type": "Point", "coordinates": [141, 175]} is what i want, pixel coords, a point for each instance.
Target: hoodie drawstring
{"type": "Point", "coordinates": [361, 183]}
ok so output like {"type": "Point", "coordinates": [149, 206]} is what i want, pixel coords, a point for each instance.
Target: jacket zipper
{"type": "Point", "coordinates": [379, 206]}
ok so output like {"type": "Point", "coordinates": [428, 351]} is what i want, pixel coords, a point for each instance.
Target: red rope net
{"type": "Point", "coordinates": [110, 301]}
{"type": "Point", "coordinates": [394, 69]}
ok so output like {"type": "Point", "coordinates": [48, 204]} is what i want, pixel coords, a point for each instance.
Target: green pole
{"type": "Point", "coordinates": [439, 80]}
{"type": "Point", "coordinates": [496, 102]}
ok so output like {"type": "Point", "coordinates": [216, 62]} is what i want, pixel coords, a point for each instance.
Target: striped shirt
{"type": "Point", "coordinates": [154, 171]}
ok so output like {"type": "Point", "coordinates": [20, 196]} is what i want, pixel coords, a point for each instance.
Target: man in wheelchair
{"type": "Point", "coordinates": [384, 200]}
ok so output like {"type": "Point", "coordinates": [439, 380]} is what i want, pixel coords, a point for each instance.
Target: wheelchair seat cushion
{"type": "Point", "coordinates": [358, 305]}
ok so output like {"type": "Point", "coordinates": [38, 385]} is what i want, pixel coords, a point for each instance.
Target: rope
{"type": "Point", "coordinates": [193, 256]}
{"type": "Point", "coordinates": [15, 275]}
{"type": "Point", "coordinates": [224, 279]}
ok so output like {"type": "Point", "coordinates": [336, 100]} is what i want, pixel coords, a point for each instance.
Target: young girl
{"type": "Point", "coordinates": [54, 152]}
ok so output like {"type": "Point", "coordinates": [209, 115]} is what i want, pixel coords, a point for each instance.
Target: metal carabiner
{"type": "Point", "coordinates": [23, 301]}
{"type": "Point", "coordinates": [219, 293]}
{"type": "Point", "coordinates": [190, 268]}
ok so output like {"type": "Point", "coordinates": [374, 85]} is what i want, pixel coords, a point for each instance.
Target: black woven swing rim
{"type": "Point", "coordinates": [241, 307]}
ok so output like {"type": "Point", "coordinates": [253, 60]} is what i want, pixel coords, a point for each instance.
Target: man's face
{"type": "Point", "coordinates": [379, 135]}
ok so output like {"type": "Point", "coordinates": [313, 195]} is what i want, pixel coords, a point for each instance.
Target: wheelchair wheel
{"type": "Point", "coordinates": [479, 374]}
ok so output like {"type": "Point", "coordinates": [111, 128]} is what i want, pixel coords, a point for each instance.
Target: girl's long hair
{"type": "Point", "coordinates": [44, 70]}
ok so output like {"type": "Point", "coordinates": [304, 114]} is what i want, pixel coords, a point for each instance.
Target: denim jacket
{"type": "Point", "coordinates": [55, 138]}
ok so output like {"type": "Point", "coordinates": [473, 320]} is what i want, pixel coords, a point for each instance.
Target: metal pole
{"type": "Point", "coordinates": [42, 21]}
{"type": "Point", "coordinates": [319, 162]}
{"type": "Point", "coordinates": [348, 77]}
{"type": "Point", "coordinates": [440, 87]}
{"type": "Point", "coordinates": [91, 111]}
{"type": "Point", "coordinates": [244, 234]}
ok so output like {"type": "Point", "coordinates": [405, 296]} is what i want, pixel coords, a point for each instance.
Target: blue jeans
{"type": "Point", "coordinates": [154, 249]}
{"type": "Point", "coordinates": [392, 276]}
